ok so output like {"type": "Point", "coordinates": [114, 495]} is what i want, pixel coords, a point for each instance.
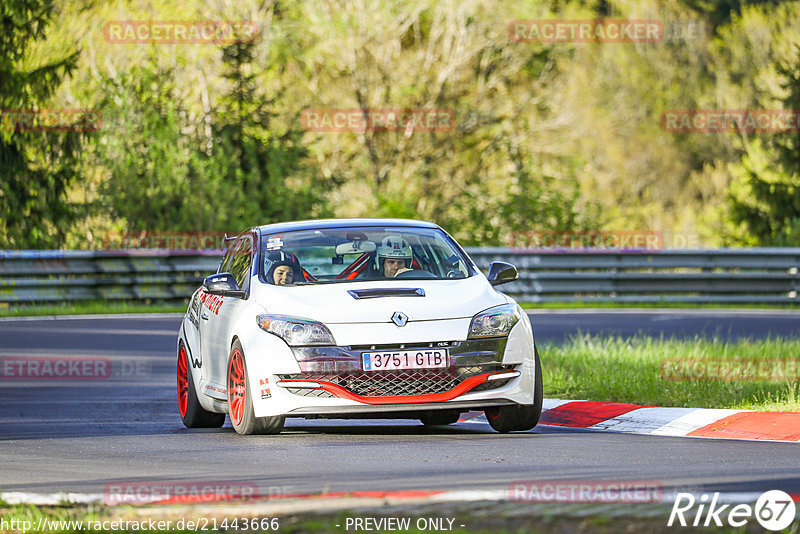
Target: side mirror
{"type": "Point", "coordinates": [501, 272]}
{"type": "Point", "coordinates": [223, 285]}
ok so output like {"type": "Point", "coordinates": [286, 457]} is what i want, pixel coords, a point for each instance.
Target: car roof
{"type": "Point", "coordinates": [341, 223]}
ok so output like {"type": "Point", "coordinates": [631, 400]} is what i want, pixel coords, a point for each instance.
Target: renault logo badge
{"type": "Point", "coordinates": [399, 318]}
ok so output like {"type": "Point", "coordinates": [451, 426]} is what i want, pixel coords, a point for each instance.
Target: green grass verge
{"type": "Point", "coordinates": [15, 518]}
{"type": "Point", "coordinates": [642, 370]}
{"type": "Point", "coordinates": [89, 308]}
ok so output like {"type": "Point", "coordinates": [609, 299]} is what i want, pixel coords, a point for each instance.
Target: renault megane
{"type": "Point", "coordinates": [355, 318]}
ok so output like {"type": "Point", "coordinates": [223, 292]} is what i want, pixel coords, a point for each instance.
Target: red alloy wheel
{"type": "Point", "coordinates": [236, 387]}
{"type": "Point", "coordinates": [183, 381]}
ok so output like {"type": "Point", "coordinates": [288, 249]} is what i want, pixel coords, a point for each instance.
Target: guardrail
{"type": "Point", "coordinates": [40, 276]}
{"type": "Point", "coordinates": [754, 275]}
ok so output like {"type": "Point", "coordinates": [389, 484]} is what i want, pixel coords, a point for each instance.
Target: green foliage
{"type": "Point", "coordinates": [719, 12]}
{"type": "Point", "coordinates": [547, 136]}
{"type": "Point", "coordinates": [765, 194]}
{"type": "Point", "coordinates": [234, 167]}
{"type": "Point", "coordinates": [488, 174]}
{"type": "Point", "coordinates": [765, 199]}
{"type": "Point", "coordinates": [36, 167]}
{"type": "Point", "coordinates": [258, 159]}
{"type": "Point", "coordinates": [146, 155]}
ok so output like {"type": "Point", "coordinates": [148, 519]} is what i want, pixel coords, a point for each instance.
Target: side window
{"type": "Point", "coordinates": [239, 265]}
{"type": "Point", "coordinates": [224, 265]}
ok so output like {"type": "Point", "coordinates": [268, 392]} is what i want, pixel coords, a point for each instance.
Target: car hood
{"type": "Point", "coordinates": [332, 303]}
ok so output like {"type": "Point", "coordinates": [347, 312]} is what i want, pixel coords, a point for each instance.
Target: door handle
{"type": "Point", "coordinates": [204, 317]}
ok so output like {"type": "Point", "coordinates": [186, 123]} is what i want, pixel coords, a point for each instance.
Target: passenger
{"type": "Point", "coordinates": [282, 268]}
{"type": "Point", "coordinates": [393, 256]}
{"type": "Point", "coordinates": [282, 275]}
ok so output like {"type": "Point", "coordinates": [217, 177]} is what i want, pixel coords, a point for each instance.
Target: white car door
{"type": "Point", "coordinates": [218, 317]}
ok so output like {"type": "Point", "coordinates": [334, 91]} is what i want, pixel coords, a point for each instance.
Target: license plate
{"type": "Point", "coordinates": [405, 359]}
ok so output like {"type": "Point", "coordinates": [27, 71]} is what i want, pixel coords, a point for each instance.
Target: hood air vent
{"type": "Point", "coordinates": [386, 292]}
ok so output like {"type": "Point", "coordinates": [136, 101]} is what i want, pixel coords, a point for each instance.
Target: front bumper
{"type": "Point", "coordinates": [475, 365]}
{"type": "Point", "coordinates": [331, 381]}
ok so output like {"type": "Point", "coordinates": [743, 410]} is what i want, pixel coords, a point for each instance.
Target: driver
{"type": "Point", "coordinates": [393, 256]}
{"type": "Point", "coordinates": [282, 268]}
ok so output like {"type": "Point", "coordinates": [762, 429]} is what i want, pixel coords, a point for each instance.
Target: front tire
{"type": "Point", "coordinates": [192, 414]}
{"type": "Point", "coordinates": [440, 417]}
{"type": "Point", "coordinates": [521, 417]}
{"type": "Point", "coordinates": [240, 400]}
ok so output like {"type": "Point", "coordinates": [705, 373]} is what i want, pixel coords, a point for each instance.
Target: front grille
{"type": "Point", "coordinates": [308, 392]}
{"type": "Point", "coordinates": [494, 384]}
{"type": "Point", "coordinates": [406, 382]}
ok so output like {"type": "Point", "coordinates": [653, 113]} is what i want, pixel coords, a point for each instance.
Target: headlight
{"type": "Point", "coordinates": [494, 322]}
{"type": "Point", "coordinates": [296, 331]}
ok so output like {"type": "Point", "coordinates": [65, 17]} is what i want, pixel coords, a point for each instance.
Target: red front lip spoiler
{"type": "Point", "coordinates": [341, 392]}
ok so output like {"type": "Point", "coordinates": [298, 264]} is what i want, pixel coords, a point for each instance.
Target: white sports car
{"type": "Point", "coordinates": [355, 318]}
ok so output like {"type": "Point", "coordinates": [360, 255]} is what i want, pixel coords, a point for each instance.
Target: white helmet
{"type": "Point", "coordinates": [393, 246]}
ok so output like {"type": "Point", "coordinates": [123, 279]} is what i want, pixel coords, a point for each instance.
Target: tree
{"type": "Point", "coordinates": [238, 163]}
{"type": "Point", "coordinates": [36, 167]}
{"type": "Point", "coordinates": [147, 154]}
{"type": "Point", "coordinates": [765, 194]}
{"type": "Point", "coordinates": [258, 155]}
{"type": "Point", "coordinates": [444, 57]}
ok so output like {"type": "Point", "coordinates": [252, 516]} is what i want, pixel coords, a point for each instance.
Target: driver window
{"type": "Point", "coordinates": [239, 265]}
{"type": "Point", "coordinates": [226, 257]}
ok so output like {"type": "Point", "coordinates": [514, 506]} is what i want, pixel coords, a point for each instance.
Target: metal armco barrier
{"type": "Point", "coordinates": [32, 276]}
{"type": "Point", "coordinates": [747, 275]}
{"type": "Point", "coordinates": [768, 275]}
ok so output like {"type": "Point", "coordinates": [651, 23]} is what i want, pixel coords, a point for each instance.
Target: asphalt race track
{"type": "Point", "coordinates": [556, 325]}
{"type": "Point", "coordinates": [79, 436]}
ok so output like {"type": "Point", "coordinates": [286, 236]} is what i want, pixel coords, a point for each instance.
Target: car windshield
{"type": "Point", "coordinates": [334, 255]}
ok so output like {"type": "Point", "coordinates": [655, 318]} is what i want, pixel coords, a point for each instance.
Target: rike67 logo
{"type": "Point", "coordinates": [774, 510]}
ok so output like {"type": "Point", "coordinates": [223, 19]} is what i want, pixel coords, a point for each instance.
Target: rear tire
{"type": "Point", "coordinates": [240, 400]}
{"type": "Point", "coordinates": [521, 417]}
{"type": "Point", "coordinates": [440, 417]}
{"type": "Point", "coordinates": [192, 414]}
